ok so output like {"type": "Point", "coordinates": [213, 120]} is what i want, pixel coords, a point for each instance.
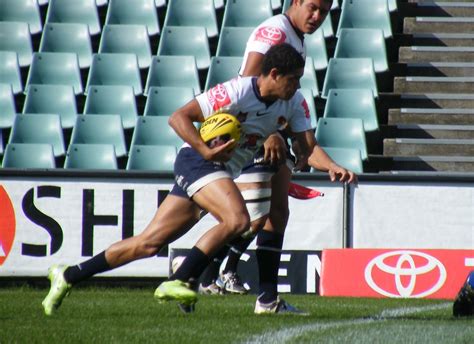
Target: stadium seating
{"type": "Point", "coordinates": [248, 13]}
{"type": "Point", "coordinates": [192, 13]}
{"type": "Point", "coordinates": [103, 129]}
{"type": "Point", "coordinates": [52, 99]}
{"type": "Point", "coordinates": [348, 158]}
{"type": "Point", "coordinates": [232, 41]}
{"type": "Point", "coordinates": [26, 11]}
{"type": "Point", "coordinates": [7, 106]}
{"type": "Point", "coordinates": [138, 12]}
{"type": "Point", "coordinates": [152, 158]}
{"type": "Point", "coordinates": [36, 128]}
{"type": "Point", "coordinates": [55, 69]}
{"type": "Point", "coordinates": [15, 36]}
{"type": "Point", "coordinates": [163, 101]}
{"type": "Point", "coordinates": [342, 133]}
{"type": "Point", "coordinates": [28, 155]}
{"type": "Point", "coordinates": [68, 38]}
{"type": "Point", "coordinates": [10, 70]}
{"type": "Point", "coordinates": [154, 130]}
{"type": "Point", "coordinates": [91, 157]}
{"type": "Point", "coordinates": [316, 49]}
{"type": "Point", "coordinates": [222, 69]}
{"type": "Point", "coordinates": [113, 99]}
{"type": "Point", "coordinates": [115, 69]}
{"type": "Point", "coordinates": [327, 28]}
{"type": "Point", "coordinates": [353, 103]}
{"type": "Point", "coordinates": [80, 12]}
{"type": "Point", "coordinates": [176, 71]}
{"type": "Point", "coordinates": [127, 39]}
{"type": "Point", "coordinates": [350, 73]}
{"type": "Point", "coordinates": [186, 41]}
{"type": "Point", "coordinates": [309, 80]}
{"type": "Point", "coordinates": [100, 3]}
{"type": "Point", "coordinates": [308, 96]}
{"type": "Point", "coordinates": [363, 43]}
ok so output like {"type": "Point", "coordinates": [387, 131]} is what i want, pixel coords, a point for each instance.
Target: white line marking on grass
{"type": "Point", "coordinates": [288, 334]}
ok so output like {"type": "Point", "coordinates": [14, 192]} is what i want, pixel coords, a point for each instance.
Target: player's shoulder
{"type": "Point", "coordinates": [273, 30]}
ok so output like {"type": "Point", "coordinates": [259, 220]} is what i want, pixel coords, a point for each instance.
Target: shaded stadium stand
{"type": "Point", "coordinates": [80, 12]}
{"type": "Point", "coordinates": [176, 71]}
{"type": "Point", "coordinates": [44, 128]}
{"type": "Point", "coordinates": [186, 41]}
{"type": "Point", "coordinates": [222, 69]}
{"type": "Point", "coordinates": [232, 41]}
{"type": "Point", "coordinates": [55, 69]}
{"type": "Point", "coordinates": [7, 106]}
{"type": "Point", "coordinates": [363, 43]}
{"type": "Point", "coordinates": [103, 129]}
{"type": "Point", "coordinates": [68, 38]}
{"type": "Point", "coordinates": [348, 158]}
{"type": "Point", "coordinates": [28, 155]}
{"type": "Point", "coordinates": [113, 99]}
{"type": "Point", "coordinates": [316, 49]}
{"type": "Point", "coordinates": [248, 13]}
{"type": "Point", "coordinates": [152, 158]}
{"type": "Point", "coordinates": [350, 73]}
{"type": "Point", "coordinates": [353, 103]}
{"type": "Point", "coordinates": [163, 101]}
{"type": "Point", "coordinates": [309, 80]}
{"type": "Point", "coordinates": [26, 11]}
{"type": "Point", "coordinates": [192, 13]}
{"type": "Point", "coordinates": [115, 69]}
{"type": "Point", "coordinates": [10, 71]}
{"type": "Point", "coordinates": [154, 130]}
{"type": "Point", "coordinates": [342, 133]}
{"type": "Point", "coordinates": [91, 157]}
{"type": "Point", "coordinates": [138, 12]}
{"type": "Point", "coordinates": [52, 99]}
{"type": "Point", "coordinates": [15, 36]}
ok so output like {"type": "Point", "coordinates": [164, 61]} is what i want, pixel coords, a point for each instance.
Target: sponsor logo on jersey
{"type": "Point", "coordinates": [218, 97]}
{"type": "Point", "coordinates": [305, 106]}
{"type": "Point", "coordinates": [270, 35]}
{"type": "Point", "coordinates": [7, 225]}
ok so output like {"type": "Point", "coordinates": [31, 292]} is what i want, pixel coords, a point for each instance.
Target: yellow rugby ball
{"type": "Point", "coordinates": [223, 126]}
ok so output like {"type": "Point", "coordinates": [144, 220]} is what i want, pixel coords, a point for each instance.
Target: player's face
{"type": "Point", "coordinates": [288, 84]}
{"type": "Point", "coordinates": [310, 14]}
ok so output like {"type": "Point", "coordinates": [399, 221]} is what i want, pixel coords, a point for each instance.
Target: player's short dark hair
{"type": "Point", "coordinates": [284, 58]}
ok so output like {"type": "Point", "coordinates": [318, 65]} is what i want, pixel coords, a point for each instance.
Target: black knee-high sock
{"type": "Point", "coordinates": [269, 246]}
{"type": "Point", "coordinates": [237, 248]}
{"type": "Point", "coordinates": [84, 270]}
{"type": "Point", "coordinates": [192, 267]}
{"type": "Point", "coordinates": [212, 271]}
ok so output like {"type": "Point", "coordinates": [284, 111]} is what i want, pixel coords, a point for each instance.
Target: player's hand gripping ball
{"type": "Point", "coordinates": [220, 128]}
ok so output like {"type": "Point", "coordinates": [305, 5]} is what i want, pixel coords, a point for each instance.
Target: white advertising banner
{"type": "Point", "coordinates": [412, 215]}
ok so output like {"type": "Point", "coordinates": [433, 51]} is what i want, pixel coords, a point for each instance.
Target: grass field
{"type": "Point", "coordinates": [119, 315]}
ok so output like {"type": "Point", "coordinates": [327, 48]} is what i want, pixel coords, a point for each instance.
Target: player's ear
{"type": "Point", "coordinates": [274, 73]}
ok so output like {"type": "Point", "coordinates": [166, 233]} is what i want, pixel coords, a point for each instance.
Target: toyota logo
{"type": "Point", "coordinates": [219, 93]}
{"type": "Point", "coordinates": [271, 33]}
{"type": "Point", "coordinates": [407, 274]}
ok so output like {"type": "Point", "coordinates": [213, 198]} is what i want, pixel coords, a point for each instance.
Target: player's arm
{"type": "Point", "coordinates": [182, 123]}
{"type": "Point", "coordinates": [253, 66]}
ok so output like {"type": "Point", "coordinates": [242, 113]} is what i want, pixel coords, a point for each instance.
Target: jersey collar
{"type": "Point", "coordinates": [297, 31]}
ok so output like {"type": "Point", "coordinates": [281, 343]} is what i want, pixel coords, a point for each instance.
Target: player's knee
{"type": "Point", "coordinates": [238, 224]}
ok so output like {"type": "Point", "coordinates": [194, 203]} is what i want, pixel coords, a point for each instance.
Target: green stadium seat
{"type": "Point", "coordinates": [222, 69]}
{"type": "Point", "coordinates": [348, 158]}
{"type": "Point", "coordinates": [36, 128]}
{"type": "Point", "coordinates": [113, 99]}
{"type": "Point", "coordinates": [355, 15]}
{"type": "Point", "coordinates": [127, 39]}
{"type": "Point", "coordinates": [233, 40]}
{"type": "Point", "coordinates": [10, 71]}
{"type": "Point", "coordinates": [353, 103]}
{"type": "Point", "coordinates": [55, 69]}
{"type": "Point", "coordinates": [101, 3]}
{"type": "Point", "coordinates": [103, 129]}
{"type": "Point", "coordinates": [316, 49]}
{"type": "Point", "coordinates": [28, 155]}
{"type": "Point", "coordinates": [55, 99]}
{"type": "Point", "coordinates": [152, 158]}
{"type": "Point", "coordinates": [192, 13]}
{"type": "Point", "coordinates": [342, 133]}
{"type": "Point", "coordinates": [309, 79]}
{"type": "Point", "coordinates": [138, 12]}
{"type": "Point", "coordinates": [155, 130]}
{"type": "Point", "coordinates": [350, 73]}
{"type": "Point", "coordinates": [15, 36]}
{"type": "Point", "coordinates": [248, 13]}
{"type": "Point", "coordinates": [363, 43]}
{"type": "Point", "coordinates": [163, 101]}
{"type": "Point", "coordinates": [308, 96]}
{"type": "Point", "coordinates": [79, 12]}
{"type": "Point", "coordinates": [327, 28]}
{"type": "Point", "coordinates": [91, 157]}
{"type": "Point", "coordinates": [186, 41]}
{"type": "Point", "coordinates": [68, 38]}
{"type": "Point", "coordinates": [7, 106]}
{"type": "Point", "coordinates": [160, 3]}
{"type": "Point", "coordinates": [175, 71]}
{"type": "Point", "coordinates": [115, 69]}
{"type": "Point", "coordinates": [26, 11]}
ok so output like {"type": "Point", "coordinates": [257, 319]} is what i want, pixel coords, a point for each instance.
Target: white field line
{"type": "Point", "coordinates": [288, 334]}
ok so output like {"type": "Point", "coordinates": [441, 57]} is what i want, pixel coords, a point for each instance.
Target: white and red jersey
{"type": "Point", "coordinates": [274, 30]}
{"type": "Point", "coordinates": [241, 98]}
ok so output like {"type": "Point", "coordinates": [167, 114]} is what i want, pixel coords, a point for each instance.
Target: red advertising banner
{"type": "Point", "coordinates": [395, 273]}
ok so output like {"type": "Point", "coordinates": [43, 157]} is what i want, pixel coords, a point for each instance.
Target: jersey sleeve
{"type": "Point", "coordinates": [263, 37]}
{"type": "Point", "coordinates": [300, 119]}
{"type": "Point", "coordinates": [220, 98]}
